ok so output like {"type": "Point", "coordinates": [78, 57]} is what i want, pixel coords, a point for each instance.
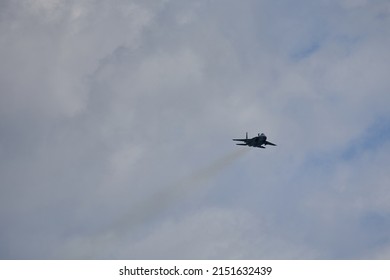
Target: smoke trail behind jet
{"type": "Point", "coordinates": [145, 211]}
{"type": "Point", "coordinates": [173, 193]}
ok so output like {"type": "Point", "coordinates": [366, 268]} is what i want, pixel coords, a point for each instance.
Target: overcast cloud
{"type": "Point", "coordinates": [116, 120]}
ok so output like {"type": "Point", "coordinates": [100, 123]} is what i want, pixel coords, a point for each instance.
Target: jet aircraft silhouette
{"type": "Point", "coordinates": [257, 141]}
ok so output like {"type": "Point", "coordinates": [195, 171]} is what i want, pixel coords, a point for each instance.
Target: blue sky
{"type": "Point", "coordinates": [117, 119]}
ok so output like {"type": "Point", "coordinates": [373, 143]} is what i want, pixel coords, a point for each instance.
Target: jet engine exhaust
{"type": "Point", "coordinates": [179, 190]}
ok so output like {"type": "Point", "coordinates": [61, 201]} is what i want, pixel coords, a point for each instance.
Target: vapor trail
{"type": "Point", "coordinates": [172, 193]}
{"type": "Point", "coordinates": [144, 211]}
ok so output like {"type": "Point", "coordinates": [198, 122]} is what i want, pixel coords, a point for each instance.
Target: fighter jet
{"type": "Point", "coordinates": [257, 141]}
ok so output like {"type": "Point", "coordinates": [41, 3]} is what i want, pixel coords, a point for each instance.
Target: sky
{"type": "Point", "coordinates": [116, 120]}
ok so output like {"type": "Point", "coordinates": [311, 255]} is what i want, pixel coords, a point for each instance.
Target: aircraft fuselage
{"type": "Point", "coordinates": [259, 141]}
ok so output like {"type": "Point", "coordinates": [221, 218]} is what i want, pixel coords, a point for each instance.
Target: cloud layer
{"type": "Point", "coordinates": [117, 119]}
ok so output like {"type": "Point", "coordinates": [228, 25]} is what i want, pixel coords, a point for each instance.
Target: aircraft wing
{"type": "Point", "coordinates": [269, 143]}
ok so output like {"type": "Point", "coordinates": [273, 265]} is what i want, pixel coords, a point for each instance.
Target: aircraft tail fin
{"type": "Point", "coordinates": [246, 136]}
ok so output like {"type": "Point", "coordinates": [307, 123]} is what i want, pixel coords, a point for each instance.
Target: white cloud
{"type": "Point", "coordinates": [125, 111]}
{"type": "Point", "coordinates": [47, 62]}
{"type": "Point", "coordinates": [207, 234]}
